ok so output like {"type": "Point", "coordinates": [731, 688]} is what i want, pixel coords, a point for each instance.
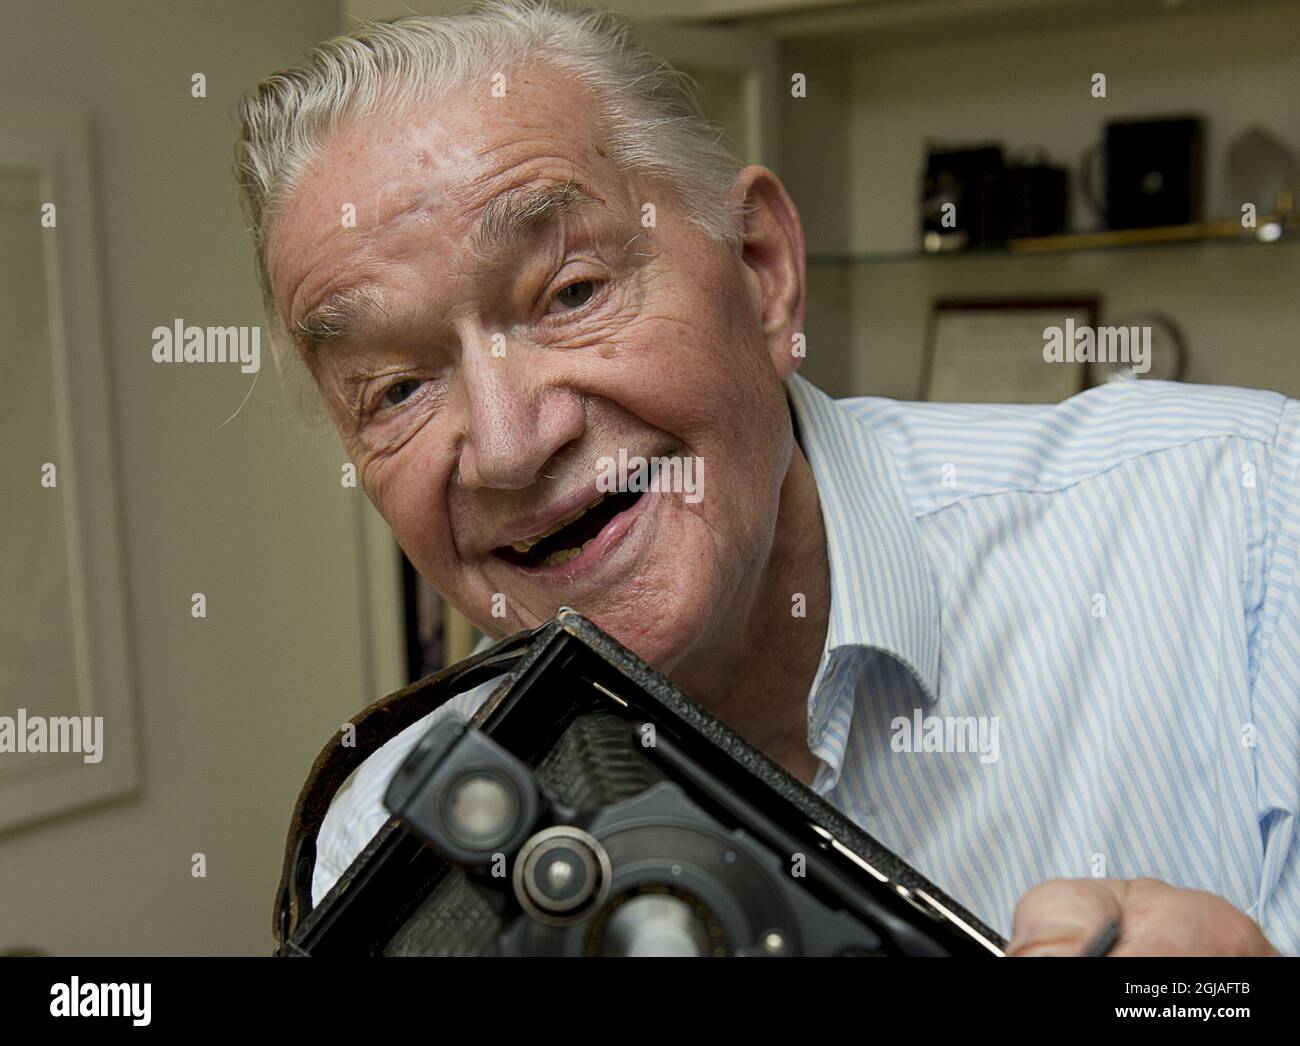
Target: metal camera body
{"type": "Point", "coordinates": [590, 808]}
{"type": "Point", "coordinates": [652, 874]}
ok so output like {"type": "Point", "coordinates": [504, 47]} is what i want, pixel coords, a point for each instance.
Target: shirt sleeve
{"type": "Point", "coordinates": [357, 810]}
{"type": "Point", "coordinates": [329, 840]}
{"type": "Point", "coordinates": [1275, 694]}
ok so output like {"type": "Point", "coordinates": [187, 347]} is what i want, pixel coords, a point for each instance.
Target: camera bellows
{"type": "Point", "coordinates": [593, 764]}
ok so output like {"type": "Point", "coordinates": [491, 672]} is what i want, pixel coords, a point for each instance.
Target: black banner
{"type": "Point", "coordinates": [144, 996]}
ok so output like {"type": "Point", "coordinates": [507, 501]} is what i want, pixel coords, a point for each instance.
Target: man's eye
{"type": "Point", "coordinates": [400, 390]}
{"type": "Point", "coordinates": [576, 294]}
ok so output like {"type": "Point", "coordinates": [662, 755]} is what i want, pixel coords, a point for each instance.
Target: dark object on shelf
{"type": "Point", "coordinates": [591, 808]}
{"type": "Point", "coordinates": [1038, 201]}
{"type": "Point", "coordinates": [957, 203]}
{"type": "Point", "coordinates": [973, 199]}
{"type": "Point", "coordinates": [1155, 172]}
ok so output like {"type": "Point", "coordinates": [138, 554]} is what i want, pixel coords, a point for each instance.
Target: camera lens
{"type": "Point", "coordinates": [656, 924]}
{"type": "Point", "coordinates": [481, 809]}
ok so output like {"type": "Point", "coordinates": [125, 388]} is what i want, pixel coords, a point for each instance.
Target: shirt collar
{"type": "Point", "coordinates": [882, 590]}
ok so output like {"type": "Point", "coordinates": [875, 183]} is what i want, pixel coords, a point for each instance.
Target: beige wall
{"type": "Point", "coordinates": [230, 710]}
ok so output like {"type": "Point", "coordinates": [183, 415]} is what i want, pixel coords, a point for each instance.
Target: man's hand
{"type": "Point", "coordinates": [1063, 916]}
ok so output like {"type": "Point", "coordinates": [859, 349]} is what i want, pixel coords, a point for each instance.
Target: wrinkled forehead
{"type": "Point", "coordinates": [438, 163]}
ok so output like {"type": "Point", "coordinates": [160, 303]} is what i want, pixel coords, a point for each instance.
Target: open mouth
{"type": "Point", "coordinates": [567, 539]}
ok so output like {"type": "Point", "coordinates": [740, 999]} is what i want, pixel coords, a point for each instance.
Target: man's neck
{"type": "Point", "coordinates": [756, 678]}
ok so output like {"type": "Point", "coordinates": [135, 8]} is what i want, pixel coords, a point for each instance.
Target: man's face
{"type": "Point", "coordinates": [478, 400]}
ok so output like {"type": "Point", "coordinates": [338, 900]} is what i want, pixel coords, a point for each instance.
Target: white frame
{"type": "Point", "coordinates": [52, 139]}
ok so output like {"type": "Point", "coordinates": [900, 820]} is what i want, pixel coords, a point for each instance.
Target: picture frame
{"type": "Point", "coordinates": [990, 350]}
{"type": "Point", "coordinates": [67, 636]}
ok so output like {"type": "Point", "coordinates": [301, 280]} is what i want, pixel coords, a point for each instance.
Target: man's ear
{"type": "Point", "coordinates": [772, 253]}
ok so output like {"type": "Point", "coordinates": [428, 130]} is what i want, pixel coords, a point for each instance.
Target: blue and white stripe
{"type": "Point", "coordinates": [969, 546]}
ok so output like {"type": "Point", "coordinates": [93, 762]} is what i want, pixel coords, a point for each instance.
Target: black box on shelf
{"type": "Point", "coordinates": [1154, 172]}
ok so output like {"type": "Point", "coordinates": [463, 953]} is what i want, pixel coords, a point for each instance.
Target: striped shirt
{"type": "Point", "coordinates": [1064, 641]}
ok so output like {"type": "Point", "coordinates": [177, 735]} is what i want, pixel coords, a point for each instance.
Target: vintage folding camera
{"type": "Point", "coordinates": [590, 808]}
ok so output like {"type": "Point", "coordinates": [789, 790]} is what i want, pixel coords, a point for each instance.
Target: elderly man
{"type": "Point", "coordinates": [505, 248]}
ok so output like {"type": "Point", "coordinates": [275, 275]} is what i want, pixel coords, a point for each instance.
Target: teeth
{"type": "Point", "coordinates": [563, 555]}
{"type": "Point", "coordinates": [527, 543]}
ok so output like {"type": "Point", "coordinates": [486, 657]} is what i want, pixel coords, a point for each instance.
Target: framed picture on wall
{"type": "Point", "coordinates": [1001, 350]}
{"type": "Point", "coordinates": [65, 625]}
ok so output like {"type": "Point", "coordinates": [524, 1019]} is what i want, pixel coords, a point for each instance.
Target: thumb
{"type": "Point", "coordinates": [1062, 916]}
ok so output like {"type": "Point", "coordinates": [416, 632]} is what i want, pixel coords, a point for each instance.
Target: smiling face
{"type": "Point", "coordinates": [489, 365]}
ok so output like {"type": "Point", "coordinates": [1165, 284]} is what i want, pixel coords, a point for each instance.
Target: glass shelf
{"type": "Point", "coordinates": [1271, 232]}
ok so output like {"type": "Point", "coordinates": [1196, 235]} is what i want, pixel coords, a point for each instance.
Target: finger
{"type": "Point", "coordinates": [1160, 919]}
{"type": "Point", "coordinates": [1064, 916]}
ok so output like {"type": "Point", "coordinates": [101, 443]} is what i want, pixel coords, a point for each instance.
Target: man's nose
{"type": "Point", "coordinates": [515, 421]}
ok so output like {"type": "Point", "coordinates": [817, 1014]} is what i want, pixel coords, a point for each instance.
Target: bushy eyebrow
{"type": "Point", "coordinates": [337, 316]}
{"type": "Point", "coordinates": [507, 219]}
{"type": "Point", "coordinates": [517, 213]}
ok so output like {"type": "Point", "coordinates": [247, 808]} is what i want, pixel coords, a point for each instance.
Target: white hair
{"type": "Point", "coordinates": [653, 118]}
